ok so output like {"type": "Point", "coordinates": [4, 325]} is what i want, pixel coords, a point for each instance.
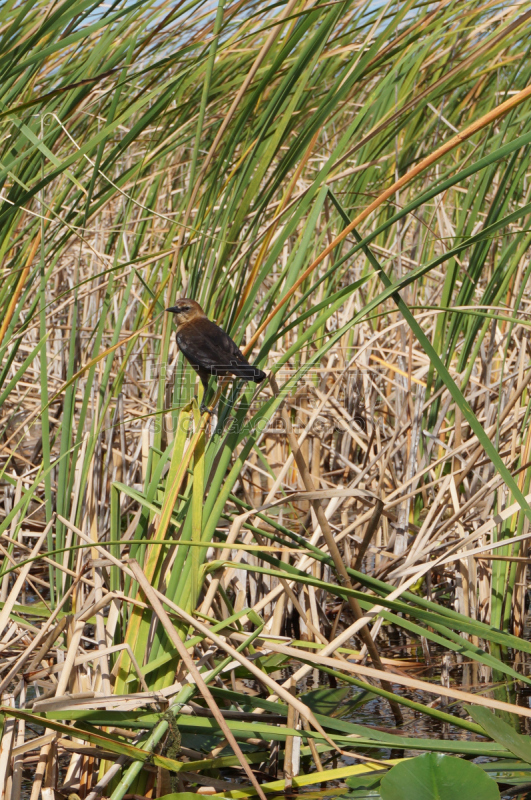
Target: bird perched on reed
{"type": "Point", "coordinates": [207, 348]}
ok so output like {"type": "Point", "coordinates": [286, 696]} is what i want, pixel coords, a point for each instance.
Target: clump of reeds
{"type": "Point", "coordinates": [344, 189]}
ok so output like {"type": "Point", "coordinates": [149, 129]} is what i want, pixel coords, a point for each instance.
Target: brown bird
{"type": "Point", "coordinates": [208, 349]}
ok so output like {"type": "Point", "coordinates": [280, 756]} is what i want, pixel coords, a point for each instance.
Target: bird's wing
{"type": "Point", "coordinates": [206, 345]}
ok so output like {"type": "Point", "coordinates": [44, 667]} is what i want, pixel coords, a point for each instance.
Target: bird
{"type": "Point", "coordinates": [208, 348]}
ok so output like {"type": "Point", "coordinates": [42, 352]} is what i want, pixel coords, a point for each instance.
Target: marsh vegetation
{"type": "Point", "coordinates": [329, 574]}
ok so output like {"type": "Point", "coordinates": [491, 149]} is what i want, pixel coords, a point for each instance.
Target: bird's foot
{"type": "Point", "coordinates": [205, 409]}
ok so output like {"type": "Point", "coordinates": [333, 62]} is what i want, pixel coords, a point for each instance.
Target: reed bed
{"type": "Point", "coordinates": [195, 603]}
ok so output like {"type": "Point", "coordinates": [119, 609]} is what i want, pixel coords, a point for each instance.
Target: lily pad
{"type": "Point", "coordinates": [434, 776]}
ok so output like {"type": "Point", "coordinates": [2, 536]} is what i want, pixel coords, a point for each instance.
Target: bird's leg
{"type": "Point", "coordinates": [204, 380]}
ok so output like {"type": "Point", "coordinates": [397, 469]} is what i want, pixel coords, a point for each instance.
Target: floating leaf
{"type": "Point", "coordinates": [434, 776]}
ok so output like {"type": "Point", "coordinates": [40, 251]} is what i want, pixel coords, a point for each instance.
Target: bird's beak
{"type": "Point", "coordinates": [174, 309]}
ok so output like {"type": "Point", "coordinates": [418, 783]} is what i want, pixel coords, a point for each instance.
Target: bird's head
{"type": "Point", "coordinates": [186, 310]}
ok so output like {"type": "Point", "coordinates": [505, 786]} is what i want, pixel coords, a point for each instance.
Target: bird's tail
{"type": "Point", "coordinates": [248, 373]}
